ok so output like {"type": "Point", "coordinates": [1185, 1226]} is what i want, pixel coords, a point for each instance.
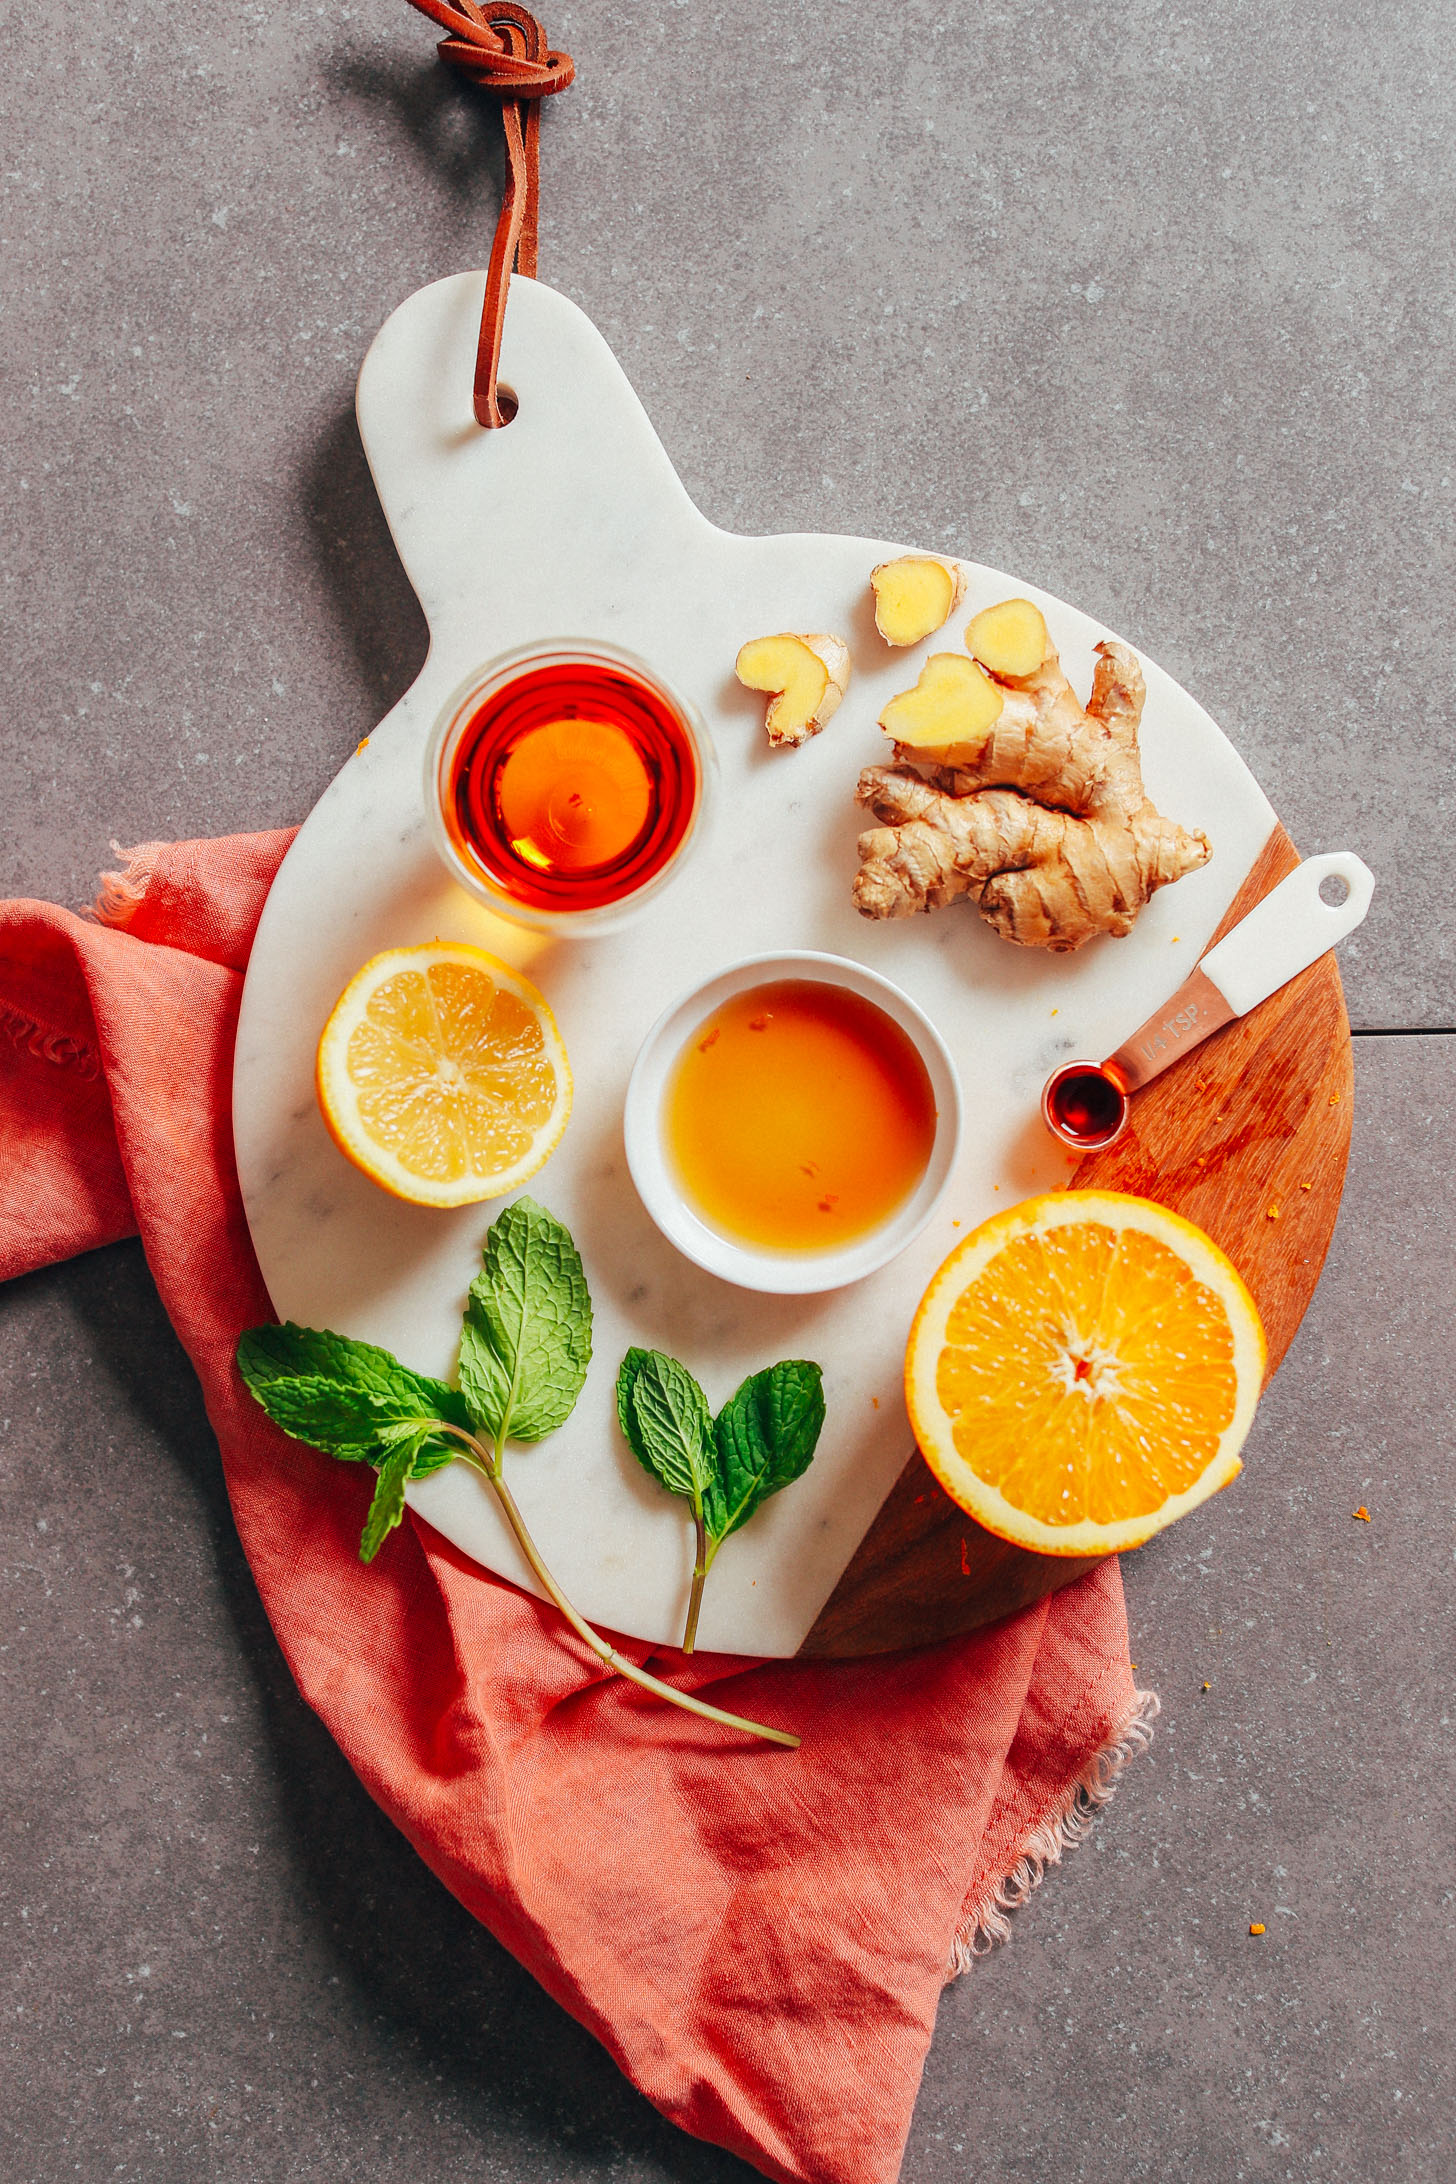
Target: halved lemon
{"type": "Point", "coordinates": [441, 1074]}
{"type": "Point", "coordinates": [1084, 1369]}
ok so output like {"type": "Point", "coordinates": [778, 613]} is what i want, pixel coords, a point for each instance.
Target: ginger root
{"type": "Point", "coordinates": [945, 717]}
{"type": "Point", "coordinates": [915, 595]}
{"type": "Point", "coordinates": [807, 676]}
{"type": "Point", "coordinates": [1045, 825]}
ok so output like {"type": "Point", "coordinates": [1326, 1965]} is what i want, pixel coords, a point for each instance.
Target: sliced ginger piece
{"type": "Point", "coordinates": [945, 719]}
{"type": "Point", "coordinates": [807, 675]}
{"type": "Point", "coordinates": [1010, 639]}
{"type": "Point", "coordinates": [915, 595]}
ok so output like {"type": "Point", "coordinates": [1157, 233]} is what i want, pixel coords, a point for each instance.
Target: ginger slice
{"type": "Point", "coordinates": [807, 676]}
{"type": "Point", "coordinates": [915, 595]}
{"type": "Point", "coordinates": [946, 716]}
{"type": "Point", "coordinates": [1048, 830]}
{"type": "Point", "coordinates": [1010, 639]}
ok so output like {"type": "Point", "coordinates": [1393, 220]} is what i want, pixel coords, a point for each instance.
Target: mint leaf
{"type": "Point", "coordinates": [358, 1403]}
{"type": "Point", "coordinates": [766, 1435]}
{"type": "Point", "coordinates": [328, 1414]}
{"type": "Point", "coordinates": [418, 1436]}
{"type": "Point", "coordinates": [627, 1372]}
{"type": "Point", "coordinates": [526, 1342]}
{"type": "Point", "coordinates": [433, 1455]}
{"type": "Point", "coordinates": [289, 1352]}
{"type": "Point", "coordinates": [665, 1417]}
{"type": "Point", "coordinates": [338, 1394]}
{"type": "Point", "coordinates": [387, 1507]}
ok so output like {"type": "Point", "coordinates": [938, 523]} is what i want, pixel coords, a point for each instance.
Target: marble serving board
{"type": "Point", "coordinates": [571, 522]}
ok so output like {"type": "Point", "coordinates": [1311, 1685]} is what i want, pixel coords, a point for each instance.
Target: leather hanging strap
{"type": "Point", "coordinates": [503, 48]}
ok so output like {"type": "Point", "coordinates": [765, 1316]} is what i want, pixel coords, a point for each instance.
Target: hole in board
{"type": "Point", "coordinates": [1334, 889]}
{"type": "Point", "coordinates": [506, 397]}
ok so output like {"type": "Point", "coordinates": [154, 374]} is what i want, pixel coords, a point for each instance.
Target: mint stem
{"type": "Point", "coordinates": [700, 1573]}
{"type": "Point", "coordinates": [489, 1467]}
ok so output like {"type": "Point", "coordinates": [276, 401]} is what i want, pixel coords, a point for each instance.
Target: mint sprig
{"type": "Point", "coordinates": [524, 1352]}
{"type": "Point", "coordinates": [725, 1467]}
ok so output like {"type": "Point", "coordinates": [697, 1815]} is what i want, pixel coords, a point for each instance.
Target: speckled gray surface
{"type": "Point", "coordinates": [1151, 303]}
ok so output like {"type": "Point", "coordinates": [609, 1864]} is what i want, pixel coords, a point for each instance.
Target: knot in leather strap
{"type": "Point", "coordinates": [502, 48]}
{"type": "Point", "coordinates": [481, 46]}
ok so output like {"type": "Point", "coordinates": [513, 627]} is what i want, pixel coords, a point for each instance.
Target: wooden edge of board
{"type": "Point", "coordinates": [1248, 1137]}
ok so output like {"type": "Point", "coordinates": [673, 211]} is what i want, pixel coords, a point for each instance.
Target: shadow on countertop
{"type": "Point", "coordinates": [371, 597]}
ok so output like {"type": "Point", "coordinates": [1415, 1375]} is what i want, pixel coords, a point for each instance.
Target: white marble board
{"type": "Point", "coordinates": [571, 523]}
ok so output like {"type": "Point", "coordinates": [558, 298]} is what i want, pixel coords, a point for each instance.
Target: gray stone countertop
{"type": "Point", "coordinates": [1151, 303]}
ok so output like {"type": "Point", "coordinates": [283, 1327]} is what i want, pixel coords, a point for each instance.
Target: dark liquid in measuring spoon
{"type": "Point", "coordinates": [573, 785]}
{"type": "Point", "coordinates": [1087, 1106]}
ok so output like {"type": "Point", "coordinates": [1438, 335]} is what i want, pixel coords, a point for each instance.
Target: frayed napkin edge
{"type": "Point", "coordinates": [987, 1922]}
{"type": "Point", "coordinates": [120, 894]}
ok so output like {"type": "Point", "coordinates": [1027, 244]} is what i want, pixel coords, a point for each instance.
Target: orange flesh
{"type": "Point", "coordinates": [799, 1117]}
{"type": "Point", "coordinates": [1087, 1374]}
{"type": "Point", "coordinates": [574, 795]}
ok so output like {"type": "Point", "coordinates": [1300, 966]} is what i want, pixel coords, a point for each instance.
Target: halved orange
{"type": "Point", "coordinates": [441, 1074]}
{"type": "Point", "coordinates": [1083, 1369]}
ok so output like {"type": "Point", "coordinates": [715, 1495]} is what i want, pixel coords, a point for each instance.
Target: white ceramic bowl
{"type": "Point", "coordinates": [785, 1273]}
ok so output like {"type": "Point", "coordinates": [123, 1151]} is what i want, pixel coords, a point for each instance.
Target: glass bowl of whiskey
{"type": "Point", "coordinates": [565, 783]}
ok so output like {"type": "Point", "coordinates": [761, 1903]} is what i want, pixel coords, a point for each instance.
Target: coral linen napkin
{"type": "Point", "coordinates": [763, 1950]}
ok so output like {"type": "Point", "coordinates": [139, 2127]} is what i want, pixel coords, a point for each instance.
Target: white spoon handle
{"type": "Point", "coordinates": [1281, 936]}
{"type": "Point", "coordinates": [1290, 929]}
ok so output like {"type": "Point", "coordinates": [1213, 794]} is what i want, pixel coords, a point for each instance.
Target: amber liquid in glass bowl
{"type": "Point", "coordinates": [572, 786]}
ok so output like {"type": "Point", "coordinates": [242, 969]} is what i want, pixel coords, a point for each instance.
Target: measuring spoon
{"type": "Point", "coordinates": [1087, 1104]}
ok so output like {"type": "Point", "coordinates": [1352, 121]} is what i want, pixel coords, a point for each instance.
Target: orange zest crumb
{"type": "Point", "coordinates": [1256, 1928]}
{"type": "Point", "coordinates": [1208, 1687]}
{"type": "Point", "coordinates": [1362, 1514]}
{"type": "Point", "coordinates": [1271, 1213]}
{"type": "Point", "coordinates": [1334, 1099]}
{"type": "Point", "coordinates": [1306, 1186]}
{"type": "Point", "coordinates": [358, 747]}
